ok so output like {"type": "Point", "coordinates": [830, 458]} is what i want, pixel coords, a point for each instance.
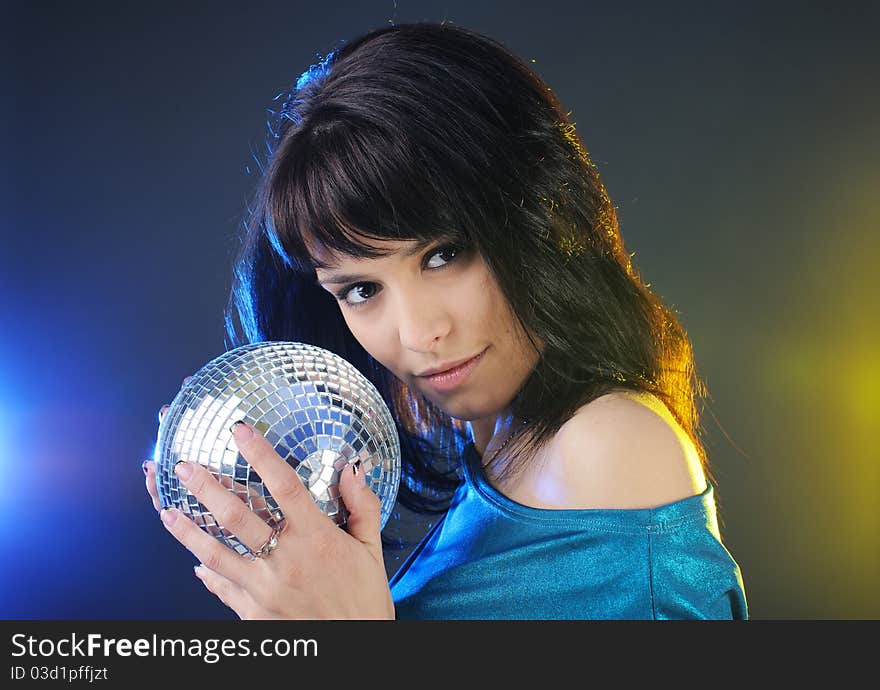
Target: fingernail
{"type": "Point", "coordinates": [162, 411]}
{"type": "Point", "coordinates": [168, 515]}
{"type": "Point", "coordinates": [356, 467]}
{"type": "Point", "coordinates": [241, 431]}
{"type": "Point", "coordinates": [198, 570]}
{"type": "Point", "coordinates": [144, 466]}
{"type": "Point", "coordinates": [183, 469]}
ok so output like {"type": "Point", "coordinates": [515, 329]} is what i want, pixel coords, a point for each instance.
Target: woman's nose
{"type": "Point", "coordinates": [421, 323]}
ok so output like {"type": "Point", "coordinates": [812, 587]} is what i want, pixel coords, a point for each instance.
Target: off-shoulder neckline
{"type": "Point", "coordinates": [659, 518]}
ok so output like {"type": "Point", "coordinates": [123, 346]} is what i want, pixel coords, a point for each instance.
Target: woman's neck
{"type": "Point", "coordinates": [482, 431]}
{"type": "Point", "coordinates": [492, 430]}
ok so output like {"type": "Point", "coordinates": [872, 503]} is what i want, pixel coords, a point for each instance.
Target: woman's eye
{"type": "Point", "coordinates": [361, 293]}
{"type": "Point", "coordinates": [450, 252]}
{"type": "Point", "coordinates": [357, 294]}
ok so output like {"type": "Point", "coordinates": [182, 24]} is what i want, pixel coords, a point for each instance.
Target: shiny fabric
{"type": "Point", "coordinates": [492, 558]}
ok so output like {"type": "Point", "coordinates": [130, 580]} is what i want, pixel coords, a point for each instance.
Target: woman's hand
{"type": "Point", "coordinates": [150, 467]}
{"type": "Point", "coordinates": [317, 570]}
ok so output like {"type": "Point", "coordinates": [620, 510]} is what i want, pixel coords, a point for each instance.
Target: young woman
{"type": "Point", "coordinates": [429, 213]}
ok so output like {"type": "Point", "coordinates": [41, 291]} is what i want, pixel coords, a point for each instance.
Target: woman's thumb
{"type": "Point", "coordinates": [364, 508]}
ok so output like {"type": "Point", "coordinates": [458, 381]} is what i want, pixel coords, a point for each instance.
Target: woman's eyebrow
{"type": "Point", "coordinates": [338, 278]}
{"type": "Point", "coordinates": [334, 279]}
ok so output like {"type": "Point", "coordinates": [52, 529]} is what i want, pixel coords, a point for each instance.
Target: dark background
{"type": "Point", "coordinates": [738, 141]}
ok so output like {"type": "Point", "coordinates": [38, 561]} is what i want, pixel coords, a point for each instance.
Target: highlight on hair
{"type": "Point", "coordinates": [425, 130]}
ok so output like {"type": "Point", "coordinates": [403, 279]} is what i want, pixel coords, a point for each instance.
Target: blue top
{"type": "Point", "coordinates": [492, 558]}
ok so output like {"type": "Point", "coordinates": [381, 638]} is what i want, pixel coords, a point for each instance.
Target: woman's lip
{"type": "Point", "coordinates": [451, 378]}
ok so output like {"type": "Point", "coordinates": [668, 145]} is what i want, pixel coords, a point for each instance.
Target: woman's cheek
{"type": "Point", "coordinates": [372, 336]}
{"type": "Point", "coordinates": [354, 327]}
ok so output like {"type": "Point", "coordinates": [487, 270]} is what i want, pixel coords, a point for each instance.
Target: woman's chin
{"type": "Point", "coordinates": [465, 411]}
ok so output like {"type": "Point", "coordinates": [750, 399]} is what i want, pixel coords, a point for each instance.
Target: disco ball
{"type": "Point", "coordinates": [318, 411]}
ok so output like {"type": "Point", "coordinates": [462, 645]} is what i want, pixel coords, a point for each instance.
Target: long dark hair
{"type": "Point", "coordinates": [423, 130]}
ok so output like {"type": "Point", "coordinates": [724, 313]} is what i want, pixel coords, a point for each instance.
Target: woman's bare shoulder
{"type": "Point", "coordinates": [622, 450]}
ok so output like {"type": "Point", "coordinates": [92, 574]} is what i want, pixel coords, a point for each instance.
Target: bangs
{"type": "Point", "coordinates": [345, 184]}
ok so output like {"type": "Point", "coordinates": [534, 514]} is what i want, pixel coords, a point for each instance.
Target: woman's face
{"type": "Point", "coordinates": [424, 307]}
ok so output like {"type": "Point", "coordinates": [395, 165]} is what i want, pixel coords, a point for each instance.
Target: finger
{"type": "Point", "coordinates": [210, 551]}
{"type": "Point", "coordinates": [364, 508]}
{"type": "Point", "coordinates": [285, 485]}
{"type": "Point", "coordinates": [225, 590]}
{"type": "Point", "coordinates": [227, 508]}
{"type": "Point", "coordinates": [186, 380]}
{"type": "Point", "coordinates": [162, 411]}
{"type": "Point", "coordinates": [255, 498]}
{"type": "Point", "coordinates": [152, 489]}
